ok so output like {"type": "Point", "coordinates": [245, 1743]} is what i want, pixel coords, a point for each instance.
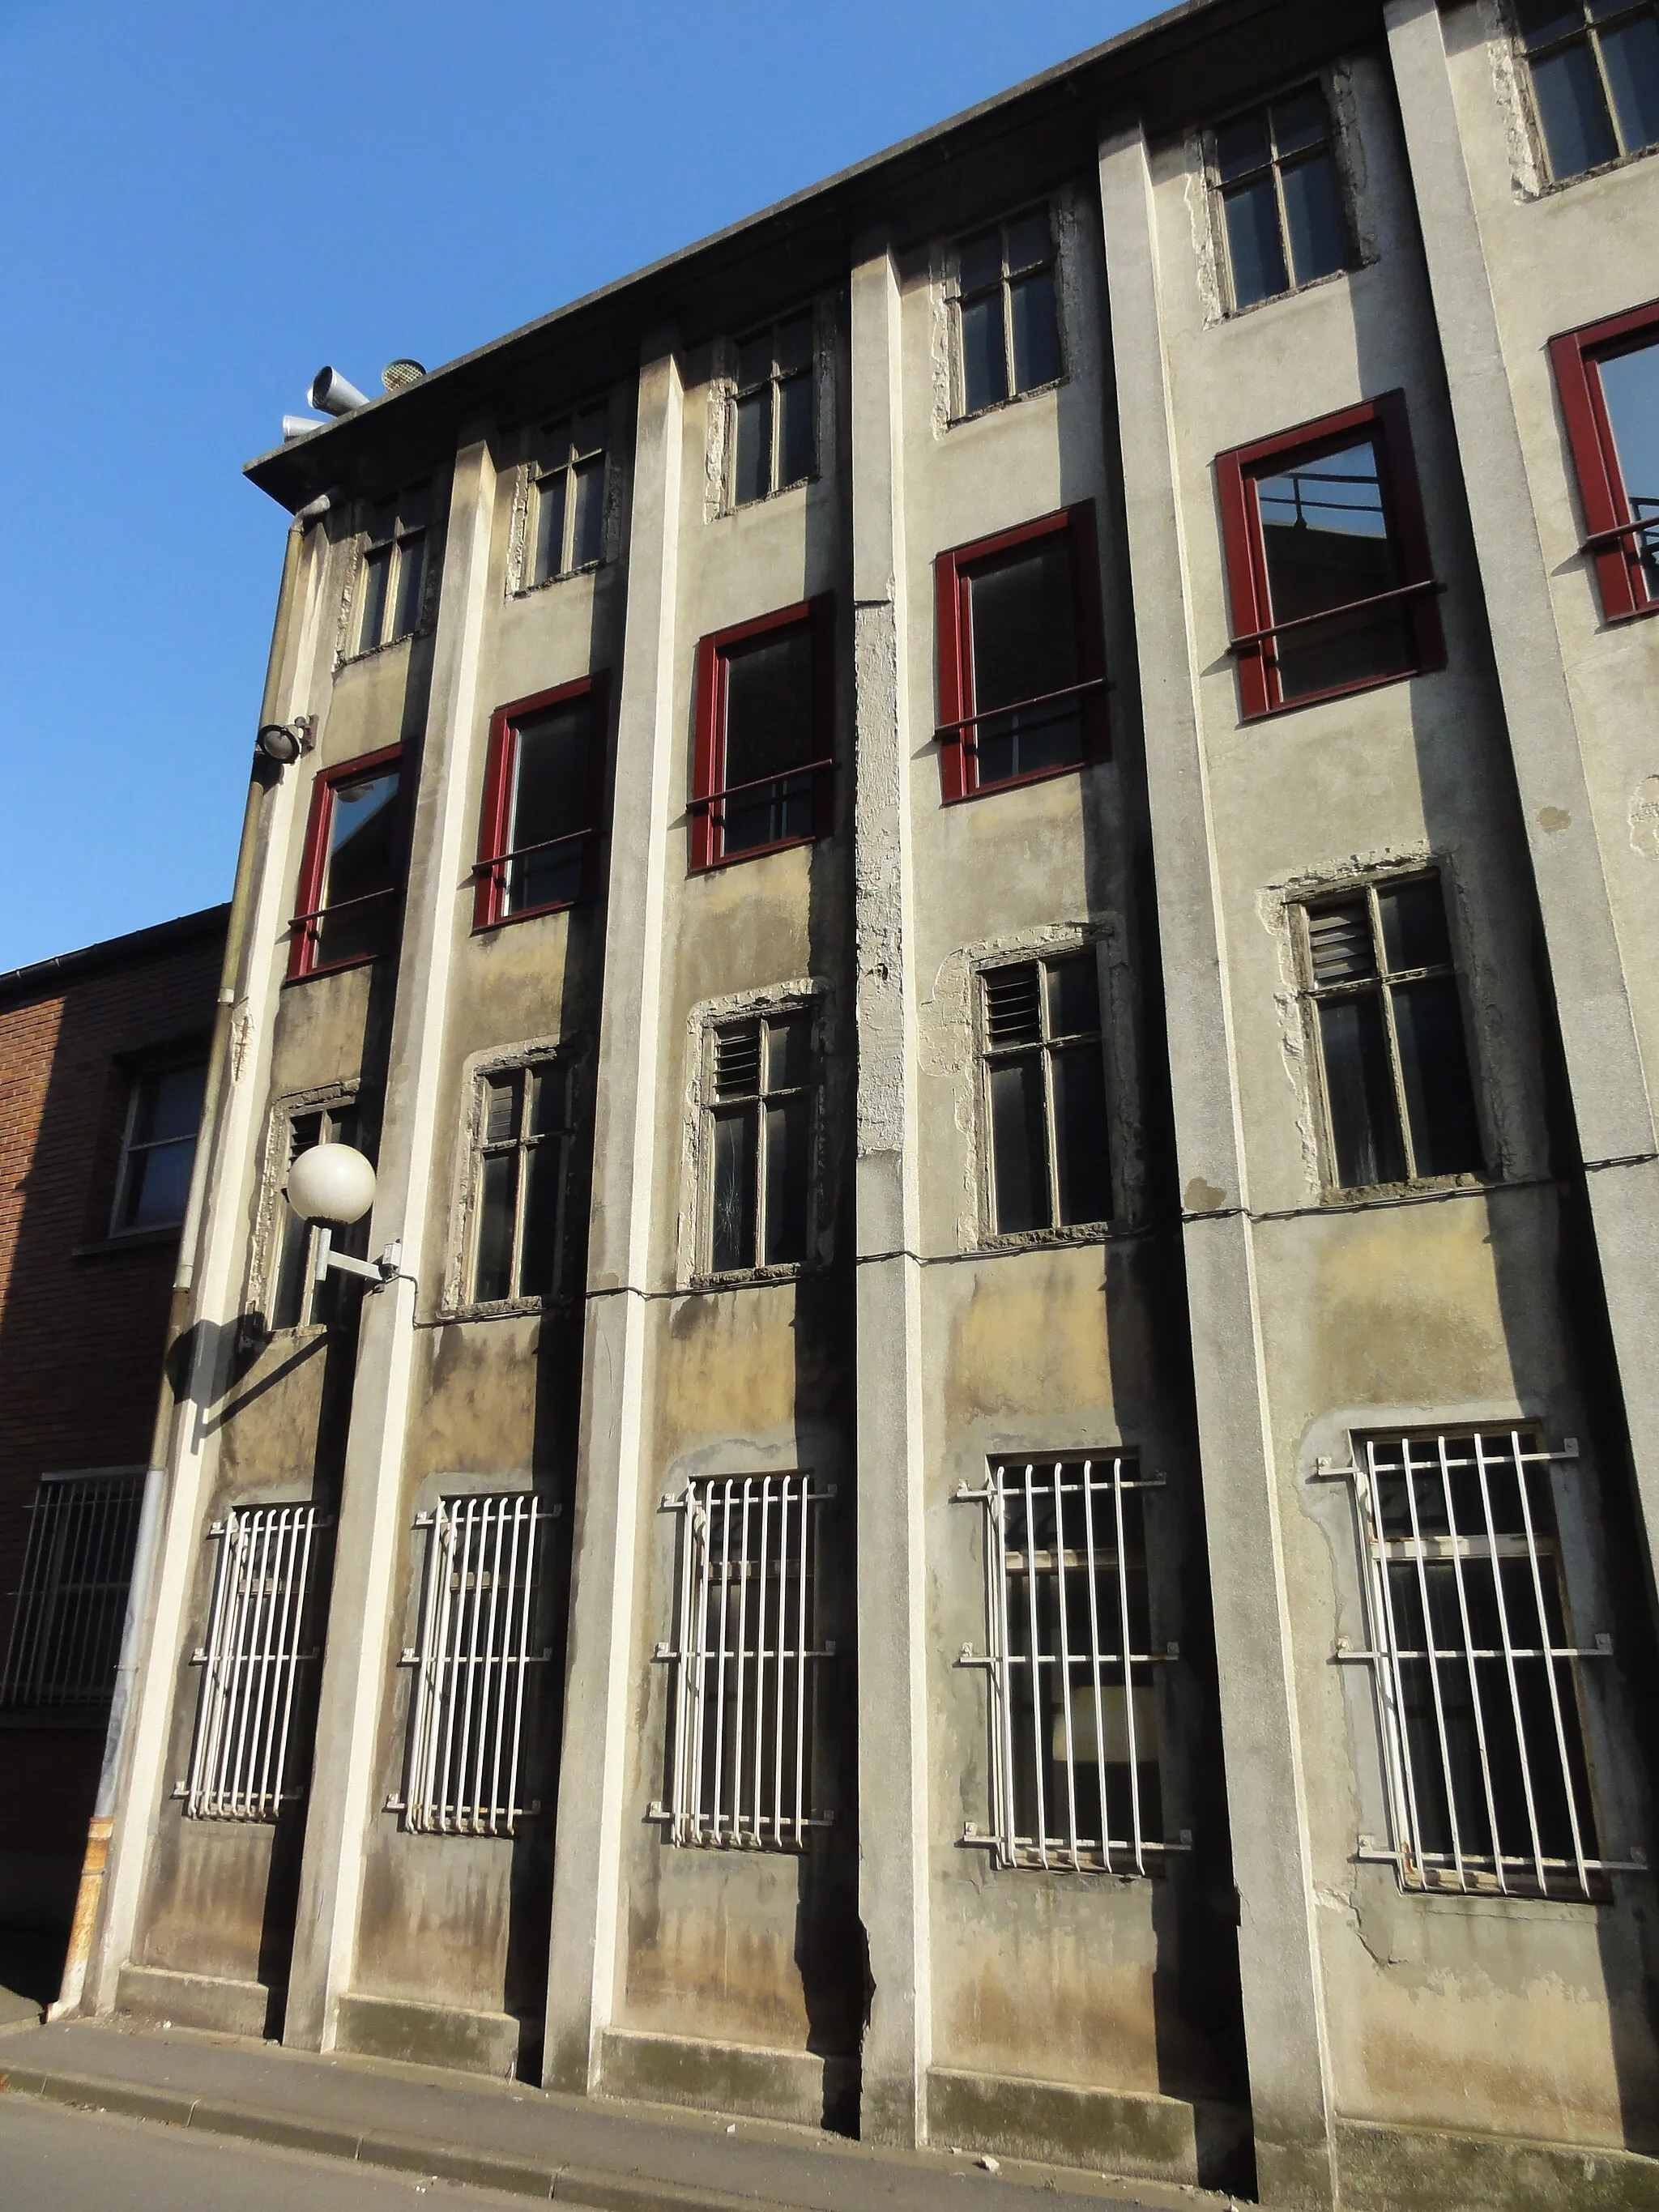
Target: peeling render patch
{"type": "Point", "coordinates": [1526, 174]}
{"type": "Point", "coordinates": [878, 935]}
{"type": "Point", "coordinates": [1644, 819]}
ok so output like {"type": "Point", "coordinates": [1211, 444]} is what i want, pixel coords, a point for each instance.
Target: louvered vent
{"type": "Point", "coordinates": [736, 1061]}
{"type": "Point", "coordinates": [1012, 1005]}
{"type": "Point", "coordinates": [1340, 940]}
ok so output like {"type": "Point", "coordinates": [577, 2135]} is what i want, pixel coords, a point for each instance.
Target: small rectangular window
{"type": "Point", "coordinates": [1608, 378]}
{"type": "Point", "coordinates": [765, 751]}
{"type": "Point", "coordinates": [1071, 1661]}
{"type": "Point", "coordinates": [761, 1091]}
{"type": "Point", "coordinates": [349, 875]}
{"type": "Point", "coordinates": [538, 830]}
{"type": "Point", "coordinates": [296, 1299]}
{"type": "Point", "coordinates": [746, 1655]}
{"type": "Point", "coordinates": [1007, 320]}
{"type": "Point", "coordinates": [392, 592]}
{"type": "Point", "coordinates": [1281, 197]}
{"type": "Point", "coordinates": [478, 1643]}
{"type": "Point", "coordinates": [773, 438]}
{"type": "Point", "coordinates": [254, 1658]}
{"type": "Point", "coordinates": [1594, 69]}
{"type": "Point", "coordinates": [1327, 559]}
{"type": "Point", "coordinates": [1388, 1023]}
{"type": "Point", "coordinates": [72, 1598]}
{"type": "Point", "coordinates": [1022, 660]}
{"type": "Point", "coordinates": [1045, 1083]}
{"type": "Point", "coordinates": [567, 499]}
{"type": "Point", "coordinates": [163, 1115]}
{"type": "Point", "coordinates": [521, 1160]}
{"type": "Point", "coordinates": [1479, 1672]}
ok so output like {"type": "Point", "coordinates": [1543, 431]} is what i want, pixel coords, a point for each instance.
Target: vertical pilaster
{"type": "Point", "coordinates": [354, 1667]}
{"type": "Point", "coordinates": [892, 1579]}
{"type": "Point", "coordinates": [1279, 1964]}
{"type": "Point", "coordinates": [600, 1678]}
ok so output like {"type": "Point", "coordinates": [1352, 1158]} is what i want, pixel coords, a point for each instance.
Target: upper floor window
{"type": "Point", "coordinates": [71, 1599]}
{"type": "Point", "coordinates": [1045, 1084]}
{"type": "Point", "coordinates": [1608, 378]}
{"type": "Point", "coordinates": [1327, 559]}
{"type": "Point", "coordinates": [295, 1298]}
{"type": "Point", "coordinates": [158, 1148]}
{"type": "Point", "coordinates": [348, 874]}
{"type": "Point", "coordinates": [1007, 316]}
{"type": "Point", "coordinates": [761, 1083]}
{"type": "Point", "coordinates": [1281, 199]}
{"type": "Point", "coordinates": [393, 582]}
{"type": "Point", "coordinates": [765, 734]}
{"type": "Point", "coordinates": [1388, 1027]}
{"type": "Point", "coordinates": [568, 498]}
{"type": "Point", "coordinates": [520, 1158]}
{"type": "Point", "coordinates": [1595, 67]}
{"type": "Point", "coordinates": [1021, 669]}
{"type": "Point", "coordinates": [774, 437]}
{"type": "Point", "coordinates": [537, 837]}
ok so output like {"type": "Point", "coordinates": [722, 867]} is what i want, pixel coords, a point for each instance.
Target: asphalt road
{"type": "Point", "coordinates": [54, 2159]}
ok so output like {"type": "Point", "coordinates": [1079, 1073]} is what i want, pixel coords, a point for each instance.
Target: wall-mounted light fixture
{"type": "Point", "coordinates": [331, 1185]}
{"type": "Point", "coordinates": [284, 741]}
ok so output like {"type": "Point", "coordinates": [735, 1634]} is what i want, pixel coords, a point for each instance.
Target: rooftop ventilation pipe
{"type": "Point", "coordinates": [334, 394]}
{"type": "Point", "coordinates": [299, 426]}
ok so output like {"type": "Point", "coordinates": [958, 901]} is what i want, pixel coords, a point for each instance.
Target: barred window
{"type": "Point", "coordinates": [1045, 1077]}
{"type": "Point", "coordinates": [745, 1659]}
{"type": "Point", "coordinates": [70, 1605]}
{"type": "Point", "coordinates": [1478, 1669]}
{"type": "Point", "coordinates": [522, 1152]}
{"type": "Point", "coordinates": [774, 430]}
{"type": "Point", "coordinates": [1007, 321]}
{"type": "Point", "coordinates": [479, 1622]}
{"type": "Point", "coordinates": [1070, 1658]}
{"type": "Point", "coordinates": [568, 498]}
{"type": "Point", "coordinates": [253, 1661]}
{"type": "Point", "coordinates": [761, 1084]}
{"type": "Point", "coordinates": [297, 1299]}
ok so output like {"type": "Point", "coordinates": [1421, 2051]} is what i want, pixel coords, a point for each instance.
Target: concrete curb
{"type": "Point", "coordinates": [582, 2186]}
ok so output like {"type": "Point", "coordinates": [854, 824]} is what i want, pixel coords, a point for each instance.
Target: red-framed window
{"type": "Point", "coordinates": [543, 781]}
{"type": "Point", "coordinates": [763, 777]}
{"type": "Point", "coordinates": [1021, 658]}
{"type": "Point", "coordinates": [1327, 559]}
{"type": "Point", "coordinates": [1607, 375]}
{"type": "Point", "coordinates": [352, 869]}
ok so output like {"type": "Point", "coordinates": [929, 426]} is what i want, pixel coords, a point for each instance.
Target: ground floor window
{"type": "Point", "coordinates": [71, 1601]}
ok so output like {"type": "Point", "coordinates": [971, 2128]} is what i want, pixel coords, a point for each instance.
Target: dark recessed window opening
{"type": "Point", "coordinates": [163, 1116]}
{"type": "Point", "coordinates": [1595, 67]}
{"type": "Point", "coordinates": [1022, 665]}
{"type": "Point", "coordinates": [1008, 327]}
{"type": "Point", "coordinates": [393, 580]}
{"type": "Point", "coordinates": [1281, 199]}
{"type": "Point", "coordinates": [297, 1299]}
{"type": "Point", "coordinates": [1327, 559]}
{"type": "Point", "coordinates": [773, 411]}
{"type": "Point", "coordinates": [1608, 380]}
{"type": "Point", "coordinates": [763, 1079]}
{"type": "Point", "coordinates": [568, 498]}
{"type": "Point", "coordinates": [349, 878]}
{"type": "Point", "coordinates": [523, 1146]}
{"type": "Point", "coordinates": [1398, 1103]}
{"type": "Point", "coordinates": [538, 848]}
{"type": "Point", "coordinates": [765, 735]}
{"type": "Point", "coordinates": [1045, 1081]}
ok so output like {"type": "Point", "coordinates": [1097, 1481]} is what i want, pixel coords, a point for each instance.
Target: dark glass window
{"type": "Point", "coordinates": [1399, 1103]}
{"type": "Point", "coordinates": [568, 520]}
{"type": "Point", "coordinates": [297, 1300]}
{"type": "Point", "coordinates": [760, 1134]}
{"type": "Point", "coordinates": [1281, 199]}
{"type": "Point", "coordinates": [765, 735]}
{"type": "Point", "coordinates": [548, 822]}
{"type": "Point", "coordinates": [359, 873]}
{"type": "Point", "coordinates": [162, 1119]}
{"type": "Point", "coordinates": [1327, 544]}
{"type": "Point", "coordinates": [1595, 67]}
{"type": "Point", "coordinates": [1630, 392]}
{"type": "Point", "coordinates": [1022, 619]}
{"type": "Point", "coordinates": [392, 590]}
{"type": "Point", "coordinates": [773, 411]}
{"type": "Point", "coordinates": [1045, 1076]}
{"type": "Point", "coordinates": [1007, 321]}
{"type": "Point", "coordinates": [523, 1142]}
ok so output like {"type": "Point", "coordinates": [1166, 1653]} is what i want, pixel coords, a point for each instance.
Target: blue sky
{"type": "Point", "coordinates": [203, 204]}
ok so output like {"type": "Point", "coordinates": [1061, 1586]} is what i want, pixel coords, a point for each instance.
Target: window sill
{"type": "Point", "coordinates": [565, 576]}
{"type": "Point", "coordinates": [334, 968]}
{"type": "Point", "coordinates": [1626, 615]}
{"type": "Point", "coordinates": [1342, 691]}
{"type": "Point", "coordinates": [1050, 1240]}
{"type": "Point", "coordinates": [529, 913]}
{"type": "Point", "coordinates": [1001, 406]}
{"type": "Point", "coordinates": [748, 1279]}
{"type": "Point", "coordinates": [1235, 314]}
{"type": "Point", "coordinates": [560, 1303]}
{"type": "Point", "coordinates": [135, 1240]}
{"type": "Point", "coordinates": [729, 507]}
{"type": "Point", "coordinates": [389, 645]}
{"type": "Point", "coordinates": [1332, 1198]}
{"type": "Point", "coordinates": [754, 853]}
{"type": "Point", "coordinates": [1019, 782]}
{"type": "Point", "coordinates": [1551, 186]}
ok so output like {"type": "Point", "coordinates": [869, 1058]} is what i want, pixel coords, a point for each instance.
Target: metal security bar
{"type": "Point", "coordinates": [746, 1661]}
{"type": "Point", "coordinates": [71, 1601]}
{"type": "Point", "coordinates": [1075, 1736]}
{"type": "Point", "coordinates": [252, 1658]}
{"type": "Point", "coordinates": [477, 1611]}
{"type": "Point", "coordinates": [1476, 1669]}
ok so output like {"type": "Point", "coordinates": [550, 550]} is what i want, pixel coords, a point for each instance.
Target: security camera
{"type": "Point", "coordinates": [283, 742]}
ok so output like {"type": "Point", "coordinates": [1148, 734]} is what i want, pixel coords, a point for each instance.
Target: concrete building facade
{"type": "Point", "coordinates": [980, 864]}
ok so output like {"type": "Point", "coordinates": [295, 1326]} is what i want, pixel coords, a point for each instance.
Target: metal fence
{"type": "Point", "coordinates": [252, 1658]}
{"type": "Point", "coordinates": [71, 1604]}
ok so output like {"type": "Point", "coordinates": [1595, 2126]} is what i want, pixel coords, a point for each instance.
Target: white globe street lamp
{"type": "Point", "coordinates": [331, 1185]}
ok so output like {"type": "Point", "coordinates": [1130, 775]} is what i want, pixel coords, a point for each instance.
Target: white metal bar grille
{"type": "Point", "coordinates": [478, 1612]}
{"type": "Point", "coordinates": [252, 1659]}
{"type": "Point", "coordinates": [745, 1662]}
{"type": "Point", "coordinates": [1476, 1668]}
{"type": "Point", "coordinates": [1075, 1777]}
{"type": "Point", "coordinates": [70, 1602]}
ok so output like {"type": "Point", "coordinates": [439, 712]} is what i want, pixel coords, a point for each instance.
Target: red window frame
{"type": "Point", "coordinates": [1255, 632]}
{"type": "Point", "coordinates": [958, 757]}
{"type": "Point", "coordinates": [1609, 531]}
{"type": "Point", "coordinates": [314, 866]}
{"type": "Point", "coordinates": [709, 791]}
{"type": "Point", "coordinates": [489, 872]}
